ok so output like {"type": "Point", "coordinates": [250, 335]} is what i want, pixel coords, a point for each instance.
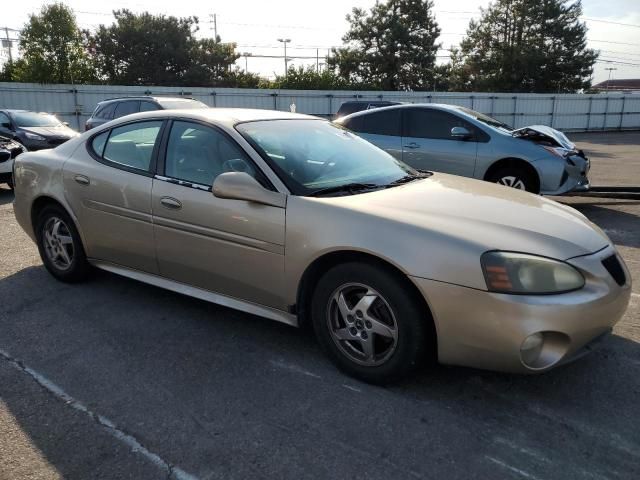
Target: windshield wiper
{"type": "Point", "coordinates": [350, 188]}
{"type": "Point", "coordinates": [411, 177]}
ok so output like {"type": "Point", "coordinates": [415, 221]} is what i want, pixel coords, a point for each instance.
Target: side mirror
{"type": "Point", "coordinates": [6, 125]}
{"type": "Point", "coordinates": [242, 186]}
{"type": "Point", "coordinates": [461, 133]}
{"type": "Point", "coordinates": [66, 124]}
{"type": "Point", "coordinates": [5, 155]}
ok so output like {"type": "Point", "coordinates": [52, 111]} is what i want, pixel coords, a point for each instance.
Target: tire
{"type": "Point", "coordinates": [380, 333]}
{"type": "Point", "coordinates": [60, 246]}
{"type": "Point", "coordinates": [514, 177]}
{"type": "Point", "coordinates": [10, 184]}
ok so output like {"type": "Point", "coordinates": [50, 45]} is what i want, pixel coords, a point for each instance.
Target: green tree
{"type": "Point", "coordinates": [210, 63]}
{"type": "Point", "coordinates": [392, 46]}
{"type": "Point", "coordinates": [144, 49]}
{"type": "Point", "coordinates": [527, 46]}
{"type": "Point", "coordinates": [300, 78]}
{"type": "Point", "coordinates": [53, 49]}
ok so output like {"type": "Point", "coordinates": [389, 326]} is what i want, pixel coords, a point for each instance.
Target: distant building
{"type": "Point", "coordinates": [628, 85]}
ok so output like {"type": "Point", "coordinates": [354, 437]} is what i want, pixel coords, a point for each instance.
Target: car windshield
{"type": "Point", "coordinates": [486, 119]}
{"type": "Point", "coordinates": [178, 104]}
{"type": "Point", "coordinates": [314, 155]}
{"type": "Point", "coordinates": [33, 119]}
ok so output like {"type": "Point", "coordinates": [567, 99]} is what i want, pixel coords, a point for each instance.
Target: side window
{"type": "Point", "coordinates": [98, 142]}
{"type": "Point", "coordinates": [148, 106]}
{"type": "Point", "coordinates": [105, 111]}
{"type": "Point", "coordinates": [382, 123]}
{"type": "Point", "coordinates": [4, 118]}
{"type": "Point", "coordinates": [132, 145]}
{"type": "Point", "coordinates": [198, 154]}
{"type": "Point", "coordinates": [126, 108]}
{"type": "Point", "coordinates": [431, 123]}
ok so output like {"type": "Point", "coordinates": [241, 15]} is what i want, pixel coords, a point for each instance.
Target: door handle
{"type": "Point", "coordinates": [412, 146]}
{"type": "Point", "coordinates": [82, 180]}
{"type": "Point", "coordinates": [171, 203]}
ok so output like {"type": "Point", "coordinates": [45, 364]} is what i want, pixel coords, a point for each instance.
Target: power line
{"type": "Point", "coordinates": [588, 19]}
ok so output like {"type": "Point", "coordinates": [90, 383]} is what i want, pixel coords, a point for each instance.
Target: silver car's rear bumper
{"type": "Point", "coordinates": [486, 330]}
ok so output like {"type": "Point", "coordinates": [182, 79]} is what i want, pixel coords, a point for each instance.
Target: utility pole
{"type": "Point", "coordinates": [611, 69]}
{"type": "Point", "coordinates": [286, 65]}
{"type": "Point", "coordinates": [6, 31]}
{"type": "Point", "coordinates": [214, 20]}
{"type": "Point", "coordinates": [246, 55]}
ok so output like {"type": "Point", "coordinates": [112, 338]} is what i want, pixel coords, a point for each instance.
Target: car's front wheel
{"type": "Point", "coordinates": [60, 245]}
{"type": "Point", "coordinates": [514, 177]}
{"type": "Point", "coordinates": [369, 323]}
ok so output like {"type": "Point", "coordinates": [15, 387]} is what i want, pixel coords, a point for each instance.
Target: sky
{"type": "Point", "coordinates": [315, 26]}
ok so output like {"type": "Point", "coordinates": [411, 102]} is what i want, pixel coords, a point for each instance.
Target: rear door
{"type": "Point", "coordinates": [231, 247]}
{"type": "Point", "coordinates": [108, 185]}
{"type": "Point", "coordinates": [380, 127]}
{"type": "Point", "coordinates": [427, 143]}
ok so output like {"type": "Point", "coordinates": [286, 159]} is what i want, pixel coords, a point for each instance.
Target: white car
{"type": "Point", "coordinates": [9, 150]}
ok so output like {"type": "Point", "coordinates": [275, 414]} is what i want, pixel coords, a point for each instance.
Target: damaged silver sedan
{"type": "Point", "coordinates": [460, 141]}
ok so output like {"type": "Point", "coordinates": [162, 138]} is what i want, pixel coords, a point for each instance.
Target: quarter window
{"type": "Point", "coordinates": [98, 143]}
{"type": "Point", "coordinates": [198, 154]}
{"type": "Point", "coordinates": [131, 145]}
{"type": "Point", "coordinates": [432, 123]}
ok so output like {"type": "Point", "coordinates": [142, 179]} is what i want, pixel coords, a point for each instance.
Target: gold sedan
{"type": "Point", "coordinates": [297, 220]}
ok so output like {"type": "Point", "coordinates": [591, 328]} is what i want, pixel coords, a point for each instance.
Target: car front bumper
{"type": "Point", "coordinates": [486, 330]}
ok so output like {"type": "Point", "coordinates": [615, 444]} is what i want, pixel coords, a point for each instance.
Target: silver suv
{"type": "Point", "coordinates": [107, 110]}
{"type": "Point", "coordinates": [460, 141]}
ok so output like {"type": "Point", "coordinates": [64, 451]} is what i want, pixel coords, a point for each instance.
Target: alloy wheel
{"type": "Point", "coordinates": [58, 244]}
{"type": "Point", "coordinates": [512, 181]}
{"type": "Point", "coordinates": [362, 324]}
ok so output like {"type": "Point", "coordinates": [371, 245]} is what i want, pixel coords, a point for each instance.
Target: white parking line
{"type": "Point", "coordinates": [512, 468]}
{"type": "Point", "coordinates": [293, 368]}
{"type": "Point", "coordinates": [171, 470]}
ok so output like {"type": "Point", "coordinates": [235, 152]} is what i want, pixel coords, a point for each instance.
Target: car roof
{"type": "Point", "coordinates": [157, 98]}
{"type": "Point", "coordinates": [227, 116]}
{"type": "Point", "coordinates": [434, 106]}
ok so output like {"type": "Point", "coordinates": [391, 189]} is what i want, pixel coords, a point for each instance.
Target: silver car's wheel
{"type": "Point", "coordinates": [513, 182]}
{"type": "Point", "coordinates": [362, 324]}
{"type": "Point", "coordinates": [58, 244]}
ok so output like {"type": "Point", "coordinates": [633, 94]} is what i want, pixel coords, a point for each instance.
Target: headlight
{"type": "Point", "coordinates": [33, 136]}
{"type": "Point", "coordinates": [520, 273]}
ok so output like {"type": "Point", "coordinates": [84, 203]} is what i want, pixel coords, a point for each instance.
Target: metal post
{"type": "Point", "coordinates": [589, 113]}
{"type": "Point", "coordinates": [515, 109]}
{"type": "Point", "coordinates": [6, 31]}
{"type": "Point", "coordinates": [553, 111]}
{"type": "Point", "coordinates": [606, 111]}
{"type": "Point", "coordinates": [624, 97]}
{"type": "Point", "coordinates": [472, 102]}
{"type": "Point", "coordinates": [330, 97]}
{"type": "Point", "coordinates": [214, 95]}
{"type": "Point", "coordinates": [493, 101]}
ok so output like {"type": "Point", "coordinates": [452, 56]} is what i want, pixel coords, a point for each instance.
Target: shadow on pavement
{"type": "Point", "coordinates": [223, 394]}
{"type": "Point", "coordinates": [622, 227]}
{"type": "Point", "coordinates": [6, 196]}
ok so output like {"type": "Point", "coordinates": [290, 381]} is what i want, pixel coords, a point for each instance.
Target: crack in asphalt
{"type": "Point", "coordinates": [173, 472]}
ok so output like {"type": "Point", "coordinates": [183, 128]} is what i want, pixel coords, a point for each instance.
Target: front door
{"type": "Point", "coordinates": [108, 185]}
{"type": "Point", "coordinates": [427, 143]}
{"type": "Point", "coordinates": [231, 247]}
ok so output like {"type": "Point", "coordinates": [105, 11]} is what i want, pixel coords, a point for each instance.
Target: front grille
{"type": "Point", "coordinates": [613, 266]}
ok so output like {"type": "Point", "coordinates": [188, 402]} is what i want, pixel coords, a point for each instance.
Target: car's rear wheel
{"type": "Point", "coordinates": [514, 177]}
{"type": "Point", "coordinates": [369, 323]}
{"type": "Point", "coordinates": [60, 245]}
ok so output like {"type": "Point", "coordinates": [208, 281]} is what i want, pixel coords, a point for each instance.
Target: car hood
{"type": "Point", "coordinates": [545, 131]}
{"type": "Point", "coordinates": [482, 216]}
{"type": "Point", "coordinates": [49, 132]}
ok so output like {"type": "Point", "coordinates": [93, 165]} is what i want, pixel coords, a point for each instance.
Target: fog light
{"type": "Point", "coordinates": [531, 348]}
